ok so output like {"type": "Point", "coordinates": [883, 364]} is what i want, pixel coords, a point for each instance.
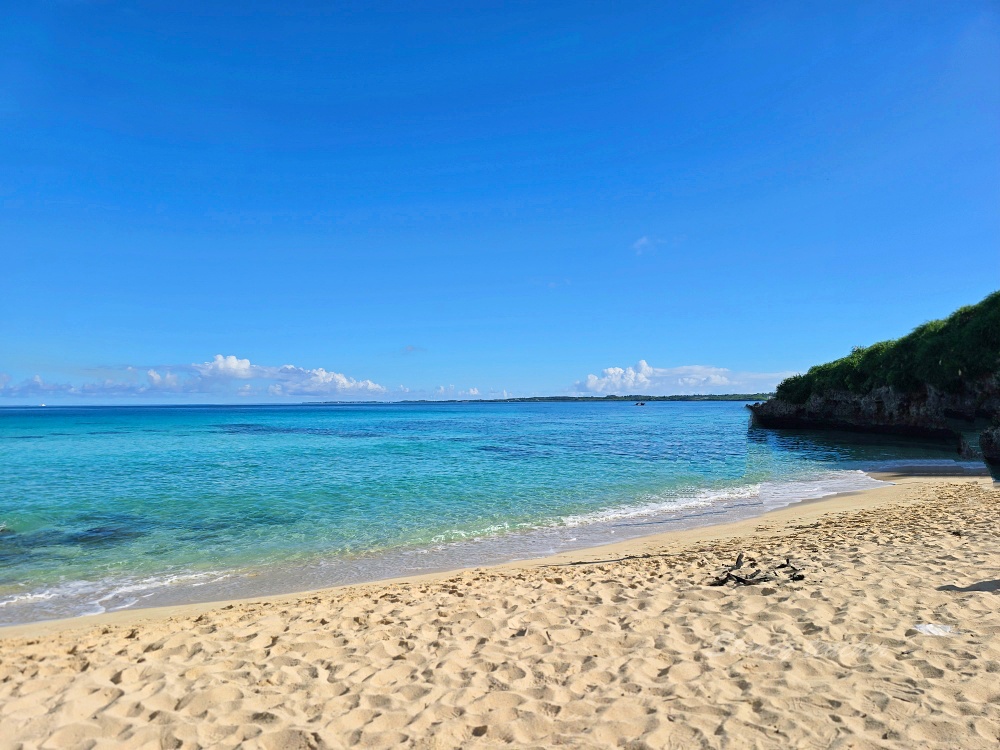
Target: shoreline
{"type": "Point", "coordinates": [711, 506]}
{"type": "Point", "coordinates": [636, 545]}
{"type": "Point", "coordinates": [873, 623]}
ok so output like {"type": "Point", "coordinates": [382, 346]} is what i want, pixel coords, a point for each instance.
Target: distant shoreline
{"type": "Point", "coordinates": [559, 399]}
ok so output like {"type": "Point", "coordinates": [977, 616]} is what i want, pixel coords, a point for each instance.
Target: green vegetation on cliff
{"type": "Point", "coordinates": [943, 354]}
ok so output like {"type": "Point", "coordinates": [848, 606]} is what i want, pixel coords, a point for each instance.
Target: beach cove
{"type": "Point", "coordinates": [111, 508]}
{"type": "Point", "coordinates": [891, 638]}
{"type": "Point", "coordinates": [511, 375]}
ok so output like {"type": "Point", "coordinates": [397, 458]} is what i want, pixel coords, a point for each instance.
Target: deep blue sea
{"type": "Point", "coordinates": [103, 508]}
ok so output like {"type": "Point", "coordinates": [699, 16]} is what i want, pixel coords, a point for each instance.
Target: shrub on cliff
{"type": "Point", "coordinates": [944, 354]}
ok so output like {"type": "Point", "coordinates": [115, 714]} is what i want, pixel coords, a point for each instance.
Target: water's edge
{"type": "Point", "coordinates": [332, 572]}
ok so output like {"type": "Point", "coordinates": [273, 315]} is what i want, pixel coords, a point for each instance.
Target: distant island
{"type": "Point", "coordinates": [939, 381]}
{"type": "Point", "coordinates": [547, 399]}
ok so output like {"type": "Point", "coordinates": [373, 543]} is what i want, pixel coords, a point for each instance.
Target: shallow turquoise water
{"type": "Point", "coordinates": [109, 507]}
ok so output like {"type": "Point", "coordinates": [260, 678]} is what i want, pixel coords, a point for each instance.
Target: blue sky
{"type": "Point", "coordinates": [301, 201]}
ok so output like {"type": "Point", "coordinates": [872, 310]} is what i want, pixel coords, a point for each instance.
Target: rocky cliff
{"type": "Point", "coordinates": [939, 380]}
{"type": "Point", "coordinates": [929, 412]}
{"type": "Point", "coordinates": [989, 443]}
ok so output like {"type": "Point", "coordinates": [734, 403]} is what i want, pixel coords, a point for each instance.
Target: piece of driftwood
{"type": "Point", "coordinates": [755, 575]}
{"type": "Point", "coordinates": [794, 573]}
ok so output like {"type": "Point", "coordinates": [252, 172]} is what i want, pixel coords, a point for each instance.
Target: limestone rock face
{"type": "Point", "coordinates": [930, 413]}
{"type": "Point", "coordinates": [989, 442]}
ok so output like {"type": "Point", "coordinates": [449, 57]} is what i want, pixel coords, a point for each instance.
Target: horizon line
{"type": "Point", "coordinates": [517, 399]}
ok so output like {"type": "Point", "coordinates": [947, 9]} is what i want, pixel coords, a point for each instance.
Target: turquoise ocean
{"type": "Point", "coordinates": [105, 508]}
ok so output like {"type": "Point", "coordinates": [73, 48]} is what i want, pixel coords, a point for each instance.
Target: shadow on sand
{"type": "Point", "coordinates": [989, 586]}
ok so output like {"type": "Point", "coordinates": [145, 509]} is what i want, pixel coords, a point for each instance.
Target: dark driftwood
{"type": "Point", "coordinates": [756, 575]}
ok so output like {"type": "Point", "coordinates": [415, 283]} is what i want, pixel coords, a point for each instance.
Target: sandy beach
{"type": "Point", "coordinates": [878, 626]}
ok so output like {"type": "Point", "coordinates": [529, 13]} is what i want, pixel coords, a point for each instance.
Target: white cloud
{"type": "Point", "coordinates": [296, 381]}
{"type": "Point", "coordinates": [38, 386]}
{"type": "Point", "coordinates": [217, 376]}
{"type": "Point", "coordinates": [642, 379]}
{"type": "Point", "coordinates": [288, 380]}
{"type": "Point", "coordinates": [168, 380]}
{"type": "Point", "coordinates": [225, 367]}
{"type": "Point", "coordinates": [473, 392]}
{"type": "Point", "coordinates": [641, 245]}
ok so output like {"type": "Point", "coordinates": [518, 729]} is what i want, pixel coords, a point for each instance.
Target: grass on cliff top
{"type": "Point", "coordinates": [944, 354]}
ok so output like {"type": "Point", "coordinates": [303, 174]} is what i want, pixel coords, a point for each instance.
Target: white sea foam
{"type": "Point", "coordinates": [768, 495]}
{"type": "Point", "coordinates": [34, 596]}
{"type": "Point", "coordinates": [69, 598]}
{"type": "Point", "coordinates": [652, 506]}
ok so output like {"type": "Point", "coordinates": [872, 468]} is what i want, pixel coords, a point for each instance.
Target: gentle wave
{"type": "Point", "coordinates": [769, 494]}
{"type": "Point", "coordinates": [76, 598]}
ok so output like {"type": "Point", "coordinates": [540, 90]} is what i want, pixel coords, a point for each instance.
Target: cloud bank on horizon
{"type": "Point", "coordinates": [230, 377]}
{"type": "Point", "coordinates": [222, 376]}
{"type": "Point", "coordinates": [665, 381]}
